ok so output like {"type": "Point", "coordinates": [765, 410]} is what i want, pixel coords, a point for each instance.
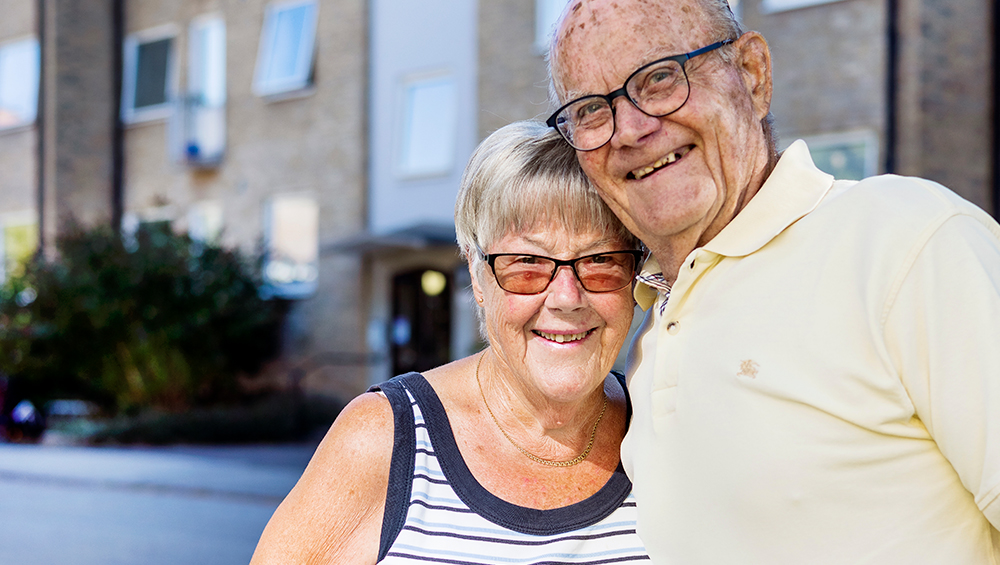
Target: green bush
{"type": "Point", "coordinates": [277, 418]}
{"type": "Point", "coordinates": [155, 320]}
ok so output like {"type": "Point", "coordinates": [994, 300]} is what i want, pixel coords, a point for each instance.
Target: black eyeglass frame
{"type": "Point", "coordinates": [681, 60]}
{"type": "Point", "coordinates": [491, 259]}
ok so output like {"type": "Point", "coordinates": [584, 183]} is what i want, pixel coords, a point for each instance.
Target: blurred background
{"type": "Point", "coordinates": [222, 219]}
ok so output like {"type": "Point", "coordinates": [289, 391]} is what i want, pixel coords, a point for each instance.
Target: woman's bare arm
{"type": "Point", "coordinates": [334, 513]}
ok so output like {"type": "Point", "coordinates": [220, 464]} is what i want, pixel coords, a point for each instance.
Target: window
{"type": "Point", "coordinates": [285, 54]}
{"type": "Point", "coordinates": [736, 6]}
{"type": "Point", "coordinates": [847, 156]}
{"type": "Point", "coordinates": [547, 12]}
{"type": "Point", "coordinates": [429, 126]}
{"type": "Point", "coordinates": [292, 235]}
{"type": "Point", "coordinates": [205, 105]}
{"type": "Point", "coordinates": [19, 62]}
{"type": "Point", "coordinates": [18, 242]}
{"type": "Point", "coordinates": [771, 6]}
{"type": "Point", "coordinates": [149, 83]}
{"type": "Point", "coordinates": [205, 222]}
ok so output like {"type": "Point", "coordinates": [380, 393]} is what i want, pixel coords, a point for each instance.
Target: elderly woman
{"type": "Point", "coordinates": [510, 454]}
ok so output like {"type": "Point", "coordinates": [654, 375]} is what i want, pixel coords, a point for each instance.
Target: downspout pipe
{"type": "Point", "coordinates": [995, 152]}
{"type": "Point", "coordinates": [891, 84]}
{"type": "Point", "coordinates": [40, 124]}
{"type": "Point", "coordinates": [118, 129]}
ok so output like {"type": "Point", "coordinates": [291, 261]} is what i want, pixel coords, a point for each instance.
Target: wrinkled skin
{"type": "Point", "coordinates": [718, 134]}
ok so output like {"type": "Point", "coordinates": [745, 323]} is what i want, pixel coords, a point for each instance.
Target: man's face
{"type": "Point", "coordinates": [714, 144]}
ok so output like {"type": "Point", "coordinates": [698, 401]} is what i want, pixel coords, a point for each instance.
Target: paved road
{"type": "Point", "coordinates": [141, 506]}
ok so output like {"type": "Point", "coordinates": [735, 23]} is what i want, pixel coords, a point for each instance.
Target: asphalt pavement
{"type": "Point", "coordinates": [140, 506]}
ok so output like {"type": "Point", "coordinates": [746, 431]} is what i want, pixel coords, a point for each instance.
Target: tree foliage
{"type": "Point", "coordinates": [153, 320]}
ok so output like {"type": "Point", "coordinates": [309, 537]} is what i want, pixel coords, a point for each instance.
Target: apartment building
{"type": "Point", "coordinates": [19, 54]}
{"type": "Point", "coordinates": [901, 86]}
{"type": "Point", "coordinates": [333, 134]}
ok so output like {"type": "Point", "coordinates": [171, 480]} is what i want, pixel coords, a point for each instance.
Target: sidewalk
{"type": "Point", "coordinates": [87, 505]}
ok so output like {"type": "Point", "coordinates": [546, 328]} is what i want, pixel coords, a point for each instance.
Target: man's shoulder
{"type": "Point", "coordinates": [896, 199]}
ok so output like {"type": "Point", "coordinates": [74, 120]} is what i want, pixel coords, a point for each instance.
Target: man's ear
{"type": "Point", "coordinates": [754, 63]}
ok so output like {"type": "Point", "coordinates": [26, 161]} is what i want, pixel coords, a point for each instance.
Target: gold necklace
{"type": "Point", "coordinates": [532, 456]}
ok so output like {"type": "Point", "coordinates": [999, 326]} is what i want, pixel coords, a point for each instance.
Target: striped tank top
{"type": "Point", "coordinates": [436, 511]}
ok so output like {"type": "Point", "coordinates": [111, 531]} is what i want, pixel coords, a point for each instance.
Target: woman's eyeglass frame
{"type": "Point", "coordinates": [491, 258]}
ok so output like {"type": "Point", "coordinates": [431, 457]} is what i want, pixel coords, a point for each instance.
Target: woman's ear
{"type": "Point", "coordinates": [754, 64]}
{"type": "Point", "coordinates": [477, 291]}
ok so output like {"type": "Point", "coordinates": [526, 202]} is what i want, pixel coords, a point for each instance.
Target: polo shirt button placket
{"type": "Point", "coordinates": [673, 327]}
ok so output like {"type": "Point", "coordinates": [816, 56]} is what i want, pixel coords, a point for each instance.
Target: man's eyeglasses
{"type": "Point", "coordinates": [657, 89]}
{"type": "Point", "coordinates": [520, 273]}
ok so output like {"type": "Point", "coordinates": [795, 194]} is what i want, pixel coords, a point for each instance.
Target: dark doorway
{"type": "Point", "coordinates": [421, 320]}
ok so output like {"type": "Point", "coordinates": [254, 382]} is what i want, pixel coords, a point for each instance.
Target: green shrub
{"type": "Point", "coordinates": [156, 320]}
{"type": "Point", "coordinates": [277, 418]}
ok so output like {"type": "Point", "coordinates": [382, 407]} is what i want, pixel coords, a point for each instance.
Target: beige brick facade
{"type": "Point", "coordinates": [18, 146]}
{"type": "Point", "coordinates": [830, 62]}
{"type": "Point", "coordinates": [830, 72]}
{"type": "Point", "coordinates": [513, 79]}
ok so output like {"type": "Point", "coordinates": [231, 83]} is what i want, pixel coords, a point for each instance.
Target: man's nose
{"type": "Point", "coordinates": [631, 123]}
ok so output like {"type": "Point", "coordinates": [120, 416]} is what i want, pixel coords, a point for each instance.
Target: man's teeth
{"type": "Point", "coordinates": [672, 157]}
{"type": "Point", "coordinates": [562, 338]}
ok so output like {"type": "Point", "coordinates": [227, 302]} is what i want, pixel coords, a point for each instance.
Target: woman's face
{"type": "Point", "coordinates": [562, 342]}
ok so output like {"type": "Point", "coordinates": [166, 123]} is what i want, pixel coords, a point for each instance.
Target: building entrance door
{"type": "Point", "coordinates": [421, 320]}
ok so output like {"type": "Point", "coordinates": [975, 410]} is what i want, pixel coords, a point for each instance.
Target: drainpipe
{"type": "Point", "coordinates": [118, 130]}
{"type": "Point", "coordinates": [891, 83]}
{"type": "Point", "coordinates": [40, 126]}
{"type": "Point", "coordinates": [995, 164]}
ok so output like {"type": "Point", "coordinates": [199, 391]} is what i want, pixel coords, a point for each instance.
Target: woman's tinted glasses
{"type": "Point", "coordinates": [521, 273]}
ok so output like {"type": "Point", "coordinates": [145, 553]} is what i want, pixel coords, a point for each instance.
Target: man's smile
{"type": "Point", "coordinates": [668, 159]}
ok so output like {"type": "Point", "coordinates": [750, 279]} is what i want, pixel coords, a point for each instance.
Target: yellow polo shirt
{"type": "Point", "coordinates": [823, 384]}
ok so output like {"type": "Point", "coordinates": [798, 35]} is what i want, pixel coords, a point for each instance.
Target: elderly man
{"type": "Point", "coordinates": [817, 378]}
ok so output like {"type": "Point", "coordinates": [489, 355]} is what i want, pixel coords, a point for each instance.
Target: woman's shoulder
{"type": "Point", "coordinates": [335, 511]}
{"type": "Point", "coordinates": [356, 448]}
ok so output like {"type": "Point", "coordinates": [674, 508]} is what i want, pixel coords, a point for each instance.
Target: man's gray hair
{"type": "Point", "coordinates": [722, 21]}
{"type": "Point", "coordinates": [520, 177]}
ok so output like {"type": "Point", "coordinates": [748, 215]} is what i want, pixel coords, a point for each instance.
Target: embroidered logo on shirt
{"type": "Point", "coordinates": [748, 369]}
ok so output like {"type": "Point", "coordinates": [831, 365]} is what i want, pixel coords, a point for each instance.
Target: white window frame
{"type": "Point", "coordinates": [867, 138]}
{"type": "Point", "coordinates": [211, 56]}
{"type": "Point", "coordinates": [300, 78]}
{"type": "Point", "coordinates": [775, 6]}
{"type": "Point", "coordinates": [13, 219]}
{"type": "Point", "coordinates": [30, 81]}
{"type": "Point", "coordinates": [129, 113]}
{"type": "Point", "coordinates": [547, 13]}
{"type": "Point", "coordinates": [736, 7]}
{"type": "Point", "coordinates": [206, 221]}
{"type": "Point", "coordinates": [204, 108]}
{"type": "Point", "coordinates": [291, 273]}
{"type": "Point", "coordinates": [408, 126]}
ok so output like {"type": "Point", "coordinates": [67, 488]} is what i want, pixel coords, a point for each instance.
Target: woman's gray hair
{"type": "Point", "coordinates": [522, 175]}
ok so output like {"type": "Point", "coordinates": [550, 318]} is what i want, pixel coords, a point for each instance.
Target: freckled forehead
{"type": "Point", "coordinates": [600, 42]}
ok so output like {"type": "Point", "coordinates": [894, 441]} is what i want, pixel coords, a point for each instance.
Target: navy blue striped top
{"type": "Point", "coordinates": [436, 511]}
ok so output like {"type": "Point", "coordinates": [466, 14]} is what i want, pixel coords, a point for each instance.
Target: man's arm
{"type": "Point", "coordinates": [334, 513]}
{"type": "Point", "coordinates": [942, 331]}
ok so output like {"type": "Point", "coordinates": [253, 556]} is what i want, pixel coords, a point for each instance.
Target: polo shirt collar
{"type": "Point", "coordinates": [793, 189]}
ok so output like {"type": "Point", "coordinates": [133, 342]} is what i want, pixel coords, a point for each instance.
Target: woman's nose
{"type": "Point", "coordinates": [565, 290]}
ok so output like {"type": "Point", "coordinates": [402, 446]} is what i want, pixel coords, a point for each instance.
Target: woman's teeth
{"type": "Point", "coordinates": [562, 338]}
